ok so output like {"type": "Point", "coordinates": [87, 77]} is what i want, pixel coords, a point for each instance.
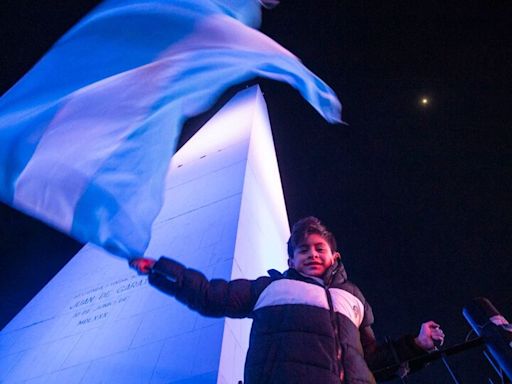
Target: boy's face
{"type": "Point", "coordinates": [313, 256]}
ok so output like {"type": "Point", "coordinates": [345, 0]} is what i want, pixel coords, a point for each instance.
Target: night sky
{"type": "Point", "coordinates": [418, 195]}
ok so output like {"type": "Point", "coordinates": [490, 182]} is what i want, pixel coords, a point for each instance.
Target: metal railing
{"type": "Point", "coordinates": [493, 332]}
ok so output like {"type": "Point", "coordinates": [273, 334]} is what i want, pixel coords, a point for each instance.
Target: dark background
{"type": "Point", "coordinates": [418, 196]}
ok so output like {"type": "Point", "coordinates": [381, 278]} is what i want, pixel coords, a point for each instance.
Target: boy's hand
{"type": "Point", "coordinates": [142, 265]}
{"type": "Point", "coordinates": [430, 336]}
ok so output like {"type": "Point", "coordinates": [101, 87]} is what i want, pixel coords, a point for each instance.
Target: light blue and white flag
{"type": "Point", "coordinates": [87, 135]}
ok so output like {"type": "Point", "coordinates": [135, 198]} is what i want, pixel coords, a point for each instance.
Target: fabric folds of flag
{"type": "Point", "coordinates": [87, 135]}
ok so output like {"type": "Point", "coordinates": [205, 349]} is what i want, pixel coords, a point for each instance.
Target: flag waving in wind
{"type": "Point", "coordinates": [87, 135]}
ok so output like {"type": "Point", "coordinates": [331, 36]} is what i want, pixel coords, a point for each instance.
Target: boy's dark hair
{"type": "Point", "coordinates": [305, 227]}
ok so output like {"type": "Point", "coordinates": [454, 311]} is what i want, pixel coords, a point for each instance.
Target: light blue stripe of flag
{"type": "Point", "coordinates": [87, 135]}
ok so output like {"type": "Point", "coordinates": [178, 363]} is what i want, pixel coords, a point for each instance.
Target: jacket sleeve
{"type": "Point", "coordinates": [388, 360]}
{"type": "Point", "coordinates": [213, 298]}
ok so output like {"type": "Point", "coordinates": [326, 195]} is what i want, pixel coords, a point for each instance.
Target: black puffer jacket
{"type": "Point", "coordinates": [304, 330]}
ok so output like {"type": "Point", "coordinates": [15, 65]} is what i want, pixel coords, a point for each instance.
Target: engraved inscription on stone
{"type": "Point", "coordinates": [97, 303]}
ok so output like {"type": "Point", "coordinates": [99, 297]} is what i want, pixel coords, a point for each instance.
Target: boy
{"type": "Point", "coordinates": [310, 324]}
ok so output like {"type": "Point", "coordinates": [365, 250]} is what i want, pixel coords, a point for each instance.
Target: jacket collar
{"type": "Point", "coordinates": [336, 274]}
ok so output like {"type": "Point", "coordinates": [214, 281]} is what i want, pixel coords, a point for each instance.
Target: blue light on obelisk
{"type": "Point", "coordinates": [99, 322]}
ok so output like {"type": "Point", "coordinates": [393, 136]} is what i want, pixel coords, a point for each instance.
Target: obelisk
{"type": "Point", "coordinates": [224, 214]}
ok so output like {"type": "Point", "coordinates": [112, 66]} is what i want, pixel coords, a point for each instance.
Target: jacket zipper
{"type": "Point", "coordinates": [334, 324]}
